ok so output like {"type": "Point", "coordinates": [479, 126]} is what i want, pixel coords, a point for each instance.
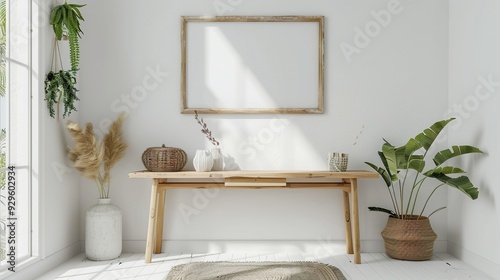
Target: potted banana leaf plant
{"type": "Point", "coordinates": [408, 234]}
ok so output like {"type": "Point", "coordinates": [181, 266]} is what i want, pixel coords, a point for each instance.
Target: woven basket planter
{"type": "Point", "coordinates": [410, 239]}
{"type": "Point", "coordinates": [164, 159]}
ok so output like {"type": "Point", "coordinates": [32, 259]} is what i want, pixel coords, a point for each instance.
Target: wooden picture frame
{"type": "Point", "coordinates": [252, 64]}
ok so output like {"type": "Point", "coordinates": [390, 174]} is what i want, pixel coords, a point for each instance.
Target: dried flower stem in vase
{"type": "Point", "coordinates": [205, 130]}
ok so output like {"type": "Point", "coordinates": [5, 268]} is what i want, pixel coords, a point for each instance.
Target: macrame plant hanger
{"type": "Point", "coordinates": [55, 54]}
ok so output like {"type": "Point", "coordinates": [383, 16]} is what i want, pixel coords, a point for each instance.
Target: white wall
{"type": "Point", "coordinates": [474, 43]}
{"type": "Point", "coordinates": [59, 181]}
{"type": "Point", "coordinates": [394, 86]}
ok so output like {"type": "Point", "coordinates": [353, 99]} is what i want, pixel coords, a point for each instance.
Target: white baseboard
{"type": "Point", "coordinates": [32, 269]}
{"type": "Point", "coordinates": [303, 246]}
{"type": "Point", "coordinates": [481, 263]}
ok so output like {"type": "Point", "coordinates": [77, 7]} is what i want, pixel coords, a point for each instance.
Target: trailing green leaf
{"type": "Point", "coordinates": [65, 20]}
{"type": "Point", "coordinates": [74, 51]}
{"type": "Point", "coordinates": [60, 86]}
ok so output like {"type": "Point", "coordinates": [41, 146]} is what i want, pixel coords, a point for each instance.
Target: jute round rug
{"type": "Point", "coordinates": [254, 271]}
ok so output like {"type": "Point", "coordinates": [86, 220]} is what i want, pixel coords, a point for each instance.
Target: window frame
{"type": "Point", "coordinates": [32, 136]}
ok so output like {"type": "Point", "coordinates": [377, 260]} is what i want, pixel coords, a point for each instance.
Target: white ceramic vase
{"type": "Point", "coordinates": [218, 159]}
{"type": "Point", "coordinates": [203, 161]}
{"type": "Point", "coordinates": [103, 231]}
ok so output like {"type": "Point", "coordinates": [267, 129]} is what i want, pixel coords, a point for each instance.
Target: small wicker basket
{"type": "Point", "coordinates": [164, 159]}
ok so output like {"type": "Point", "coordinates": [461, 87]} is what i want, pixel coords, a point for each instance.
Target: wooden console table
{"type": "Point", "coordinates": [346, 181]}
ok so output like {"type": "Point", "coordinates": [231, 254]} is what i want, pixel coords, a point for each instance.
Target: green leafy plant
{"type": "Point", "coordinates": [60, 87]}
{"type": "Point", "coordinates": [400, 162]}
{"type": "Point", "coordinates": [65, 20]}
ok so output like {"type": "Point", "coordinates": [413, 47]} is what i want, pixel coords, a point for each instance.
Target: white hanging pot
{"type": "Point", "coordinates": [203, 161]}
{"type": "Point", "coordinates": [103, 231]}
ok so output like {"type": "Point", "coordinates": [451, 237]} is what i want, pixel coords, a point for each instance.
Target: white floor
{"type": "Point", "coordinates": [375, 266]}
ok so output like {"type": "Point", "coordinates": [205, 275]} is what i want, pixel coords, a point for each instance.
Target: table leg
{"type": "Point", "coordinates": [347, 217]}
{"type": "Point", "coordinates": [355, 221]}
{"type": "Point", "coordinates": [159, 220]}
{"type": "Point", "coordinates": [151, 226]}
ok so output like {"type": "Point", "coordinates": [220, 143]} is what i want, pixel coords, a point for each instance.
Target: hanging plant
{"type": "Point", "coordinates": [65, 20]}
{"type": "Point", "coordinates": [60, 87]}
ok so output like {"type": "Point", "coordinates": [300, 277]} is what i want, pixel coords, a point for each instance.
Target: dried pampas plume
{"type": "Point", "coordinates": [87, 155]}
{"type": "Point", "coordinates": [114, 147]}
{"type": "Point", "coordinates": [94, 160]}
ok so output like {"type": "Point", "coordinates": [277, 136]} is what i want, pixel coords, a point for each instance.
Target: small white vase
{"type": "Point", "coordinates": [203, 161]}
{"type": "Point", "coordinates": [218, 159]}
{"type": "Point", "coordinates": [103, 231]}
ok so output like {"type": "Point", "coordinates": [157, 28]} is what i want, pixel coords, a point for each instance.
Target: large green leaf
{"type": "Point", "coordinates": [382, 172]}
{"type": "Point", "coordinates": [401, 159]}
{"type": "Point", "coordinates": [406, 159]}
{"type": "Point", "coordinates": [384, 162]}
{"type": "Point", "coordinates": [417, 163]}
{"type": "Point", "coordinates": [429, 135]}
{"type": "Point", "coordinates": [455, 151]}
{"type": "Point", "coordinates": [462, 183]}
{"type": "Point", "coordinates": [444, 170]}
{"type": "Point", "coordinates": [410, 148]}
{"type": "Point", "coordinates": [389, 153]}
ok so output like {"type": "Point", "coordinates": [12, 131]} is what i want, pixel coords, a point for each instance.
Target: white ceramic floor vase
{"type": "Point", "coordinates": [103, 231]}
{"type": "Point", "coordinates": [218, 159]}
{"type": "Point", "coordinates": [203, 161]}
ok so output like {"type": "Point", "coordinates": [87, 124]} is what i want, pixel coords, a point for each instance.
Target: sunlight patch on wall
{"type": "Point", "coordinates": [228, 78]}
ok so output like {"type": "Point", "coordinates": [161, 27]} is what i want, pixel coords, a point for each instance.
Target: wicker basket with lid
{"type": "Point", "coordinates": [164, 159]}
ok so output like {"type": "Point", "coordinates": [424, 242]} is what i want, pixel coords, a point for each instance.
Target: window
{"type": "Point", "coordinates": [15, 138]}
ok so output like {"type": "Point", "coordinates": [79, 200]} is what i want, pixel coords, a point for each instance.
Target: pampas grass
{"type": "Point", "coordinates": [94, 159]}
